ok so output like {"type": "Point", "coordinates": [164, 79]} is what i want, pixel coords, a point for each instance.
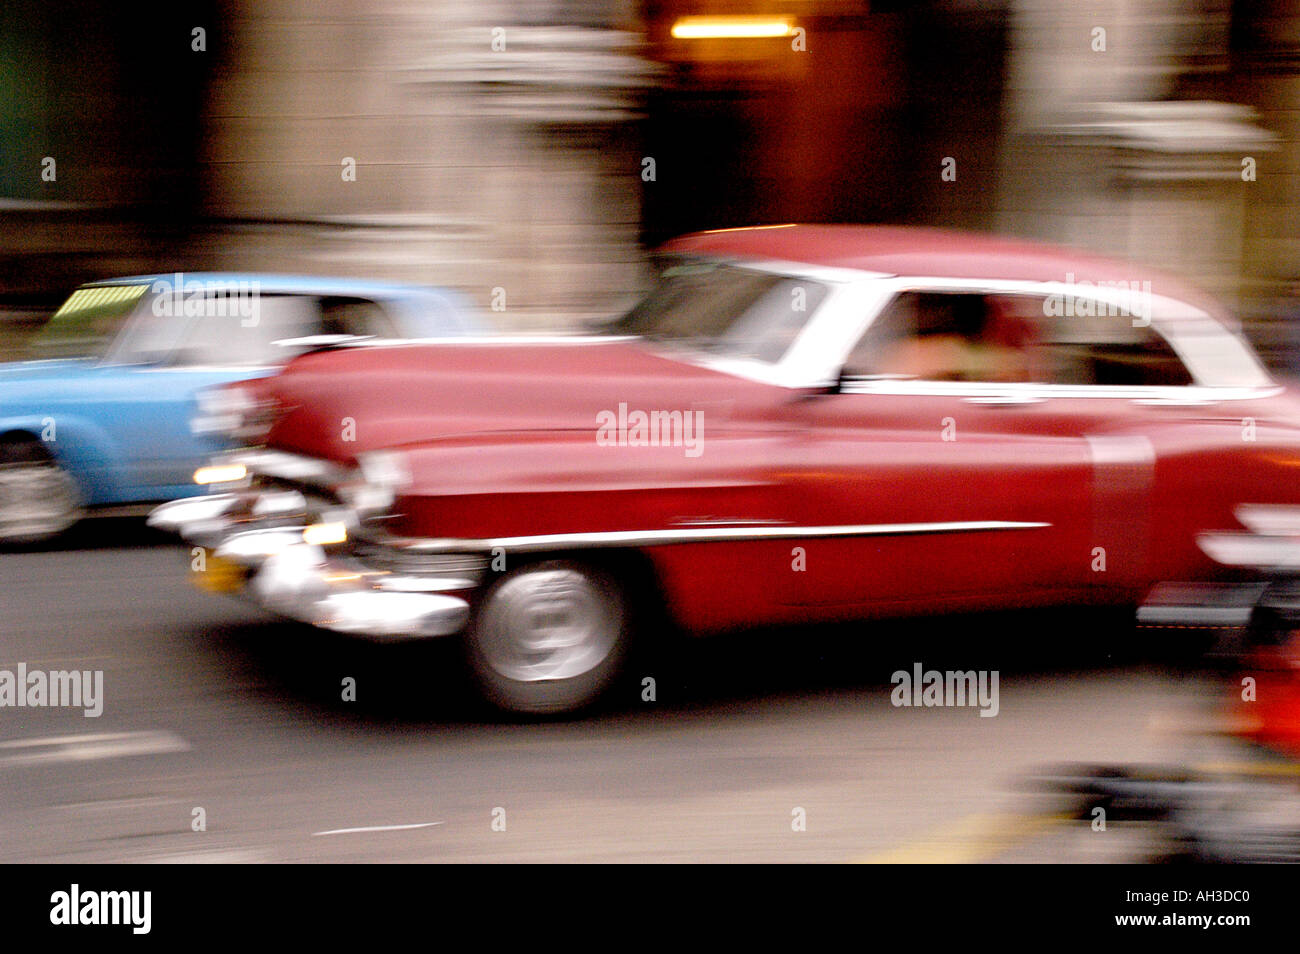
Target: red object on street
{"type": "Point", "coordinates": [1273, 718]}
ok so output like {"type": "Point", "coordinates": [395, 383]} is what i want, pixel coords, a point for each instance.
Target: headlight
{"type": "Point", "coordinates": [325, 534]}
{"type": "Point", "coordinates": [220, 474]}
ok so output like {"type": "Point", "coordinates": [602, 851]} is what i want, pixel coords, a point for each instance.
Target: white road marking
{"type": "Point", "coordinates": [82, 748]}
{"type": "Point", "coordinates": [118, 804]}
{"type": "Point", "coordinates": [352, 831]}
{"type": "Point", "coordinates": [215, 856]}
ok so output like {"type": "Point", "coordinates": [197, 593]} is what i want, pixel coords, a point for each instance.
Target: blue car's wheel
{"type": "Point", "coordinates": [38, 498]}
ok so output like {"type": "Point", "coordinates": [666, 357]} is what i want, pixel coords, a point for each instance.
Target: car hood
{"type": "Point", "coordinates": [38, 387]}
{"type": "Point", "coordinates": [337, 404]}
{"type": "Point", "coordinates": [22, 382]}
{"type": "Point", "coordinates": [25, 371]}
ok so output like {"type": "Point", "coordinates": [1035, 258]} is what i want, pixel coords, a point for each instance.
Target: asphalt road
{"type": "Point", "coordinates": [211, 705]}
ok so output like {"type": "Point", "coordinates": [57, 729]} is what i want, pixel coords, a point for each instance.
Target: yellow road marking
{"type": "Point", "coordinates": [969, 839]}
{"type": "Point", "coordinates": [220, 576]}
{"type": "Point", "coordinates": [1282, 769]}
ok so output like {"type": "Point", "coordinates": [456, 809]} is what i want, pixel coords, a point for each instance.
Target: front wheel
{"type": "Point", "coordinates": [38, 498]}
{"type": "Point", "coordinates": [549, 638]}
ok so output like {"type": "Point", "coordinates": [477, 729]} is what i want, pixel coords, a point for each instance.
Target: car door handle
{"type": "Point", "coordinates": [1005, 400]}
{"type": "Point", "coordinates": [1174, 402]}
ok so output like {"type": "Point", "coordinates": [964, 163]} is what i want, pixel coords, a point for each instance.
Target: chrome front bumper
{"type": "Point", "coordinates": [253, 544]}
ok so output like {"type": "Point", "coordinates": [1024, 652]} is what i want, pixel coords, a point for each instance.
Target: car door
{"type": "Point", "coordinates": [949, 473]}
{"type": "Point", "coordinates": [215, 347]}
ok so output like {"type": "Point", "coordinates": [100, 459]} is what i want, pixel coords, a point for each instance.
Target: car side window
{"type": "Point", "coordinates": [1102, 346]}
{"type": "Point", "coordinates": [946, 336]}
{"type": "Point", "coordinates": [355, 316]}
{"type": "Point", "coordinates": [966, 336]}
{"type": "Point", "coordinates": [246, 335]}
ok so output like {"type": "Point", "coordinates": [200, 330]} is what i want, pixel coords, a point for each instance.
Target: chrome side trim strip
{"type": "Point", "coordinates": [1270, 519]}
{"type": "Point", "coordinates": [1155, 395]}
{"type": "Point", "coordinates": [623, 538]}
{"type": "Point", "coordinates": [1258, 551]}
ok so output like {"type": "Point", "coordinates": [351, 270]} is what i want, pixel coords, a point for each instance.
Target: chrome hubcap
{"type": "Point", "coordinates": [37, 500]}
{"type": "Point", "coordinates": [548, 624]}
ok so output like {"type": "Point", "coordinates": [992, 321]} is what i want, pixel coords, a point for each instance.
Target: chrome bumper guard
{"type": "Point", "coordinates": [1268, 550]}
{"type": "Point", "coordinates": [374, 591]}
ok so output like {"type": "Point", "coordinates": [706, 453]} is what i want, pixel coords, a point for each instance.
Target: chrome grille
{"type": "Point", "coordinates": [399, 560]}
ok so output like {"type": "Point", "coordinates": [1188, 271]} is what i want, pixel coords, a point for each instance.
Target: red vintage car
{"type": "Point", "coordinates": [797, 424]}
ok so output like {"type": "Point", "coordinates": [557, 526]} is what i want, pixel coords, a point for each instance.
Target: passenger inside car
{"type": "Point", "coordinates": [947, 337]}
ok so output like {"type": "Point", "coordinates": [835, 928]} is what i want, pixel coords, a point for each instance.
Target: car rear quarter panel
{"type": "Point", "coordinates": [1210, 463]}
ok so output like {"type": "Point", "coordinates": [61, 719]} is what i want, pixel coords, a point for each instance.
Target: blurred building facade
{"type": "Point", "coordinates": [1151, 131]}
{"type": "Point", "coordinates": [102, 115]}
{"type": "Point", "coordinates": [491, 147]}
{"type": "Point", "coordinates": [529, 152]}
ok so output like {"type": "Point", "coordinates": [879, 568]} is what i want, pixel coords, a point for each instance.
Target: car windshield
{"type": "Point", "coordinates": [725, 309]}
{"type": "Point", "coordinates": [85, 324]}
{"type": "Point", "coordinates": [227, 333]}
{"type": "Point", "coordinates": [146, 339]}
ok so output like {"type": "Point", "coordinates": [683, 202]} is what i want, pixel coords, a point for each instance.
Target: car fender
{"type": "Point", "coordinates": [561, 484]}
{"type": "Point", "coordinates": [81, 447]}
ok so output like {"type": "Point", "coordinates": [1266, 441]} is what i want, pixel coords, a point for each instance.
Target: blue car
{"type": "Point", "coordinates": [109, 429]}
